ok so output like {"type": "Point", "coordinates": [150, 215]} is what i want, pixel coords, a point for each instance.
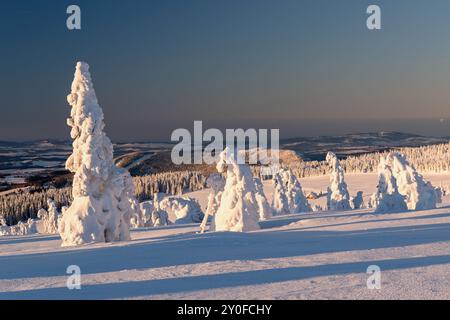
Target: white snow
{"type": "Point", "coordinates": [321, 255]}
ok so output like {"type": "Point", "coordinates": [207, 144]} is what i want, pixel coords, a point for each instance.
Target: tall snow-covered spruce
{"type": "Point", "coordinates": [238, 210]}
{"type": "Point", "coordinates": [102, 193]}
{"type": "Point", "coordinates": [338, 197]}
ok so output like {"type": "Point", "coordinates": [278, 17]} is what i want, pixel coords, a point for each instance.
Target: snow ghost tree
{"type": "Point", "coordinates": [280, 201]}
{"type": "Point", "coordinates": [160, 217]}
{"type": "Point", "coordinates": [216, 183]}
{"type": "Point", "coordinates": [296, 198]}
{"type": "Point", "coordinates": [387, 198]}
{"type": "Point", "coordinates": [337, 196]}
{"type": "Point", "coordinates": [357, 202]}
{"type": "Point", "coordinates": [238, 210]}
{"type": "Point", "coordinates": [102, 193]}
{"type": "Point", "coordinates": [49, 218]}
{"type": "Point", "coordinates": [182, 209]}
{"type": "Point", "coordinates": [419, 194]}
{"type": "Point", "coordinates": [264, 209]}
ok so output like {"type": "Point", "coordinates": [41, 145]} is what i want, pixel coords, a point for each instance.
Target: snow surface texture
{"type": "Point", "coordinates": [238, 210]}
{"type": "Point", "coordinates": [387, 198]}
{"type": "Point", "coordinates": [101, 209]}
{"type": "Point", "coordinates": [299, 256]}
{"type": "Point", "coordinates": [50, 218]}
{"type": "Point", "coordinates": [337, 196]}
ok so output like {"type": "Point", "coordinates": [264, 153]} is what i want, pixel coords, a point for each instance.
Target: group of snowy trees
{"type": "Point", "coordinates": [238, 202]}
{"type": "Point", "coordinates": [426, 159]}
{"type": "Point", "coordinates": [25, 204]}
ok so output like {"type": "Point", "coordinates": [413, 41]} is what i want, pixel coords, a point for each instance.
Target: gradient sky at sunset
{"type": "Point", "coordinates": [307, 67]}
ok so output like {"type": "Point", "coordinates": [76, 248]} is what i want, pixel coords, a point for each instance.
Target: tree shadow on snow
{"type": "Point", "coordinates": [217, 281]}
{"type": "Point", "coordinates": [218, 246]}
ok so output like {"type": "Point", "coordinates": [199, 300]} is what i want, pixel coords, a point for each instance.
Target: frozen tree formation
{"type": "Point", "coordinates": [182, 209]}
{"type": "Point", "coordinates": [20, 229]}
{"type": "Point", "coordinates": [265, 211]}
{"type": "Point", "coordinates": [280, 202]}
{"type": "Point", "coordinates": [337, 196]}
{"type": "Point", "coordinates": [419, 194]}
{"type": "Point", "coordinates": [49, 218]}
{"type": "Point", "coordinates": [160, 217]}
{"type": "Point", "coordinates": [296, 198]}
{"type": "Point", "coordinates": [216, 183]}
{"type": "Point", "coordinates": [387, 199]}
{"type": "Point", "coordinates": [102, 193]}
{"type": "Point", "coordinates": [357, 202]}
{"type": "Point", "coordinates": [238, 210]}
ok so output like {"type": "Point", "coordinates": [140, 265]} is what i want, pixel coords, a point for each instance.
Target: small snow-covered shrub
{"type": "Point", "coordinates": [182, 209]}
{"type": "Point", "coordinates": [49, 218]}
{"type": "Point", "coordinates": [357, 202]}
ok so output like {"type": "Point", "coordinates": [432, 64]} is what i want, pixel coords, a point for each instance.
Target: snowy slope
{"type": "Point", "coordinates": [304, 256]}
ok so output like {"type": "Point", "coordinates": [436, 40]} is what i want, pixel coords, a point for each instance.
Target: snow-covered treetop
{"type": "Point", "coordinates": [92, 150]}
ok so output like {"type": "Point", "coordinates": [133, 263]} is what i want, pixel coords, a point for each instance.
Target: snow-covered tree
{"type": "Point", "coordinates": [419, 194]}
{"type": "Point", "coordinates": [264, 209]}
{"type": "Point", "coordinates": [387, 198]}
{"type": "Point", "coordinates": [280, 201]}
{"type": "Point", "coordinates": [238, 210]}
{"type": "Point", "coordinates": [296, 198]}
{"type": "Point", "coordinates": [338, 197]}
{"type": "Point", "coordinates": [357, 202]}
{"type": "Point", "coordinates": [160, 217]}
{"type": "Point", "coordinates": [182, 209]}
{"type": "Point", "coordinates": [49, 218]}
{"type": "Point", "coordinates": [101, 207]}
{"type": "Point", "coordinates": [216, 183]}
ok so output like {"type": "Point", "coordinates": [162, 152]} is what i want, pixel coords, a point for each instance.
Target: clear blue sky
{"type": "Point", "coordinates": [305, 66]}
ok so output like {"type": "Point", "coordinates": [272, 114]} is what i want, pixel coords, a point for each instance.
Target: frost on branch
{"type": "Point", "coordinates": [238, 210]}
{"type": "Point", "coordinates": [102, 193]}
{"type": "Point", "coordinates": [387, 198]}
{"type": "Point", "coordinates": [419, 194]}
{"type": "Point", "coordinates": [337, 196]}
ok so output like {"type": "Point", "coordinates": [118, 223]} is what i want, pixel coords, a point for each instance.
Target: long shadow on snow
{"type": "Point", "coordinates": [210, 247]}
{"type": "Point", "coordinates": [226, 280]}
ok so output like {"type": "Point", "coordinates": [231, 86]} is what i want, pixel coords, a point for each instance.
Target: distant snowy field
{"type": "Point", "coordinates": [304, 256]}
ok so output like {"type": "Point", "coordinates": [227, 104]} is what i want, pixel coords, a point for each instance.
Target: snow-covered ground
{"type": "Point", "coordinates": [304, 256]}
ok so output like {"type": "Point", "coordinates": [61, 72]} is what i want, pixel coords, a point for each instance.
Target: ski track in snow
{"type": "Point", "coordinates": [302, 256]}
